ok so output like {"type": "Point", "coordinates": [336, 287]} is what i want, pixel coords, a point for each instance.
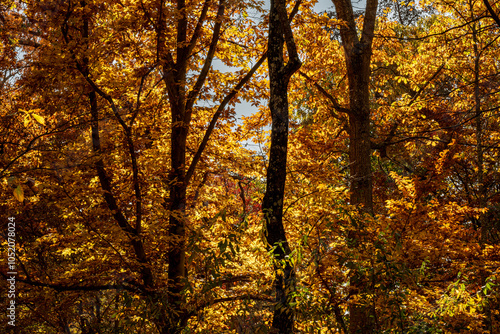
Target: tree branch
{"type": "Point", "coordinates": [139, 92]}
{"type": "Point", "coordinates": [494, 15]}
{"type": "Point", "coordinates": [224, 103]}
{"type": "Point", "coordinates": [348, 29]}
{"type": "Point", "coordinates": [217, 114]}
{"type": "Point", "coordinates": [101, 171]}
{"type": "Point", "coordinates": [61, 287]}
{"type": "Point", "coordinates": [330, 97]}
{"type": "Point", "coordinates": [199, 25]}
{"type": "Point", "coordinates": [426, 84]}
{"type": "Point", "coordinates": [293, 57]}
{"type": "Point", "coordinates": [369, 22]}
{"type": "Point", "coordinates": [122, 221]}
{"type": "Point", "coordinates": [193, 94]}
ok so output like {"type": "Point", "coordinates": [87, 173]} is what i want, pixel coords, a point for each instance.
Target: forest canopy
{"type": "Point", "coordinates": [368, 200]}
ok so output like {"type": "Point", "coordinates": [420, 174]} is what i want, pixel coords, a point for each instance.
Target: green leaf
{"type": "Point", "coordinates": [222, 246]}
{"type": "Point", "coordinates": [11, 181]}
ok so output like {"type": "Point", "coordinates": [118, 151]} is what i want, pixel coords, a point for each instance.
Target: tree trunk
{"type": "Point", "coordinates": [177, 228]}
{"type": "Point", "coordinates": [481, 192]}
{"type": "Point", "coordinates": [358, 51]}
{"type": "Point", "coordinates": [361, 313]}
{"type": "Point", "coordinates": [272, 205]}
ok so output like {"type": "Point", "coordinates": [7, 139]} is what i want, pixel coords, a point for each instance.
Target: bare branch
{"type": "Point", "coordinates": [62, 287]}
{"type": "Point", "coordinates": [294, 61]}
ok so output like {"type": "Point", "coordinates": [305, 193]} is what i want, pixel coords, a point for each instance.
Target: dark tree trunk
{"type": "Point", "coordinates": [174, 316]}
{"type": "Point", "coordinates": [177, 235]}
{"type": "Point", "coordinates": [361, 190]}
{"type": "Point", "coordinates": [359, 135]}
{"type": "Point", "coordinates": [272, 205]}
{"type": "Point", "coordinates": [358, 51]}
{"type": "Point", "coordinates": [182, 98]}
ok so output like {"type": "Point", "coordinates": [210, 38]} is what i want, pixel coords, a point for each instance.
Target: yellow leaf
{"type": "Point", "coordinates": [39, 119]}
{"type": "Point", "coordinates": [19, 193]}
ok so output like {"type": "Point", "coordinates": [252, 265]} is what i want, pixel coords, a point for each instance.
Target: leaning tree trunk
{"type": "Point", "coordinates": [358, 51]}
{"type": "Point", "coordinates": [272, 205]}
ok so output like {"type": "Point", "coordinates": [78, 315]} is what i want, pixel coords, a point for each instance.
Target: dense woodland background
{"type": "Point", "coordinates": [375, 208]}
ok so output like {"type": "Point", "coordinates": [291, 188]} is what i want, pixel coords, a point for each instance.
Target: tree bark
{"type": "Point", "coordinates": [272, 205]}
{"type": "Point", "coordinates": [481, 191]}
{"type": "Point", "coordinates": [182, 99]}
{"type": "Point", "coordinates": [358, 51]}
{"type": "Point", "coordinates": [181, 103]}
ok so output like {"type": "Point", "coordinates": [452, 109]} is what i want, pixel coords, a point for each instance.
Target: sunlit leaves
{"type": "Point", "coordinates": [430, 204]}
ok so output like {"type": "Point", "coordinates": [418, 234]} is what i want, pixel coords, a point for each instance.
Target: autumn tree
{"type": "Point", "coordinates": [372, 207]}
{"type": "Point", "coordinates": [358, 51]}
{"type": "Point", "coordinates": [405, 103]}
{"type": "Point", "coordinates": [182, 100]}
{"type": "Point", "coordinates": [272, 204]}
{"type": "Point", "coordinates": [112, 67]}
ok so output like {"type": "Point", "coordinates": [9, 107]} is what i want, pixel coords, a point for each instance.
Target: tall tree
{"type": "Point", "coordinates": [280, 72]}
{"type": "Point", "coordinates": [182, 99]}
{"type": "Point", "coordinates": [116, 64]}
{"type": "Point", "coordinates": [358, 52]}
